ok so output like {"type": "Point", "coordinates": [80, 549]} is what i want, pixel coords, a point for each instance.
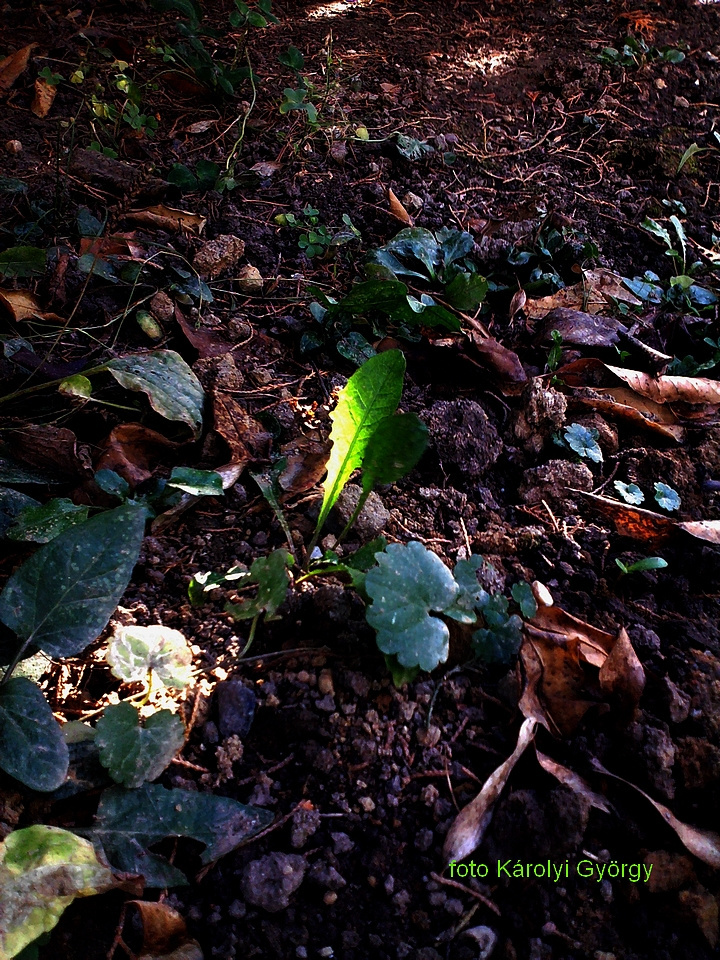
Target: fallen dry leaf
{"type": "Point", "coordinates": [573, 781]}
{"type": "Point", "coordinates": [134, 451]}
{"type": "Point", "coordinates": [633, 522]}
{"type": "Point", "coordinates": [164, 933]}
{"type": "Point", "coordinates": [624, 404]}
{"type": "Point", "coordinates": [167, 218]}
{"type": "Point", "coordinates": [44, 96]}
{"type": "Point", "coordinates": [583, 329]}
{"type": "Point", "coordinates": [708, 530]}
{"type": "Point", "coordinates": [595, 295]}
{"type": "Point", "coordinates": [201, 126]}
{"type": "Point", "coordinates": [306, 464]}
{"type": "Point", "coordinates": [693, 390]}
{"type": "Point", "coordinates": [20, 304]}
{"type": "Point", "coordinates": [207, 342]}
{"type": "Point", "coordinates": [397, 210]}
{"type": "Point", "coordinates": [704, 844]}
{"type": "Point", "coordinates": [622, 674]}
{"type": "Point", "coordinates": [468, 830]}
{"type": "Point", "coordinates": [12, 66]}
{"type": "Point", "coordinates": [556, 625]}
{"type": "Point", "coordinates": [53, 451]}
{"type": "Point", "coordinates": [266, 168]}
{"type": "Point", "coordinates": [517, 303]}
{"type": "Point", "coordinates": [219, 254]}
{"type": "Point", "coordinates": [245, 436]}
{"type": "Point", "coordinates": [555, 685]}
{"type": "Point", "coordinates": [505, 364]}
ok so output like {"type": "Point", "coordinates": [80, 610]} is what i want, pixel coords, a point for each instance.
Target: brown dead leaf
{"type": "Point", "coordinates": [553, 624]}
{"type": "Point", "coordinates": [44, 96]}
{"type": "Point", "coordinates": [583, 329]}
{"type": "Point", "coordinates": [207, 342]}
{"type": "Point", "coordinates": [201, 126]}
{"type": "Point", "coordinates": [219, 254]}
{"type": "Point", "coordinates": [397, 210]}
{"type": "Point", "coordinates": [633, 522]}
{"type": "Point", "coordinates": [53, 451]}
{"type": "Point", "coordinates": [168, 218]}
{"type": "Point", "coordinates": [12, 66]}
{"type": "Point", "coordinates": [573, 781]}
{"type": "Point", "coordinates": [245, 436]}
{"type": "Point", "coordinates": [468, 830]}
{"type": "Point", "coordinates": [306, 464]}
{"type": "Point", "coordinates": [704, 844]}
{"type": "Point", "coordinates": [266, 168]}
{"type": "Point", "coordinates": [623, 404]}
{"type": "Point", "coordinates": [134, 451]}
{"type": "Point", "coordinates": [164, 933]}
{"type": "Point", "coordinates": [622, 674]}
{"type": "Point", "coordinates": [693, 390]}
{"type": "Point", "coordinates": [594, 295]}
{"type": "Point", "coordinates": [504, 364]}
{"type": "Point", "coordinates": [115, 245]}
{"type": "Point", "coordinates": [517, 303]}
{"type": "Point", "coordinates": [555, 689]}
{"type": "Point", "coordinates": [20, 304]}
{"type": "Point", "coordinates": [708, 530]}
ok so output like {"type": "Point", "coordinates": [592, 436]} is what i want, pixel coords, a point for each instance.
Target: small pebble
{"type": "Point", "coordinates": [14, 147]}
{"type": "Point", "coordinates": [367, 803]}
{"type": "Point", "coordinates": [330, 898]}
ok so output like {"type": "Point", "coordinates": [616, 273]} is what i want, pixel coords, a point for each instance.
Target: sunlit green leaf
{"type": "Point", "coordinates": [134, 752]}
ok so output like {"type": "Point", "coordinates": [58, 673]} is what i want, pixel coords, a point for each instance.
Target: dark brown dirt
{"type": "Point", "coordinates": [542, 133]}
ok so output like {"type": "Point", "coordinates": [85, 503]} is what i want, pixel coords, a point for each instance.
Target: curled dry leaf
{"type": "Point", "coordinates": [53, 451]}
{"type": "Point", "coordinates": [622, 674]}
{"type": "Point", "coordinates": [266, 168]}
{"type": "Point", "coordinates": [44, 96]}
{"type": "Point", "coordinates": [517, 303]}
{"type": "Point", "coordinates": [168, 218]}
{"type": "Point", "coordinates": [163, 929]}
{"type": "Point", "coordinates": [134, 451]}
{"type": "Point", "coordinates": [704, 844]}
{"type": "Point", "coordinates": [504, 364]}
{"type": "Point", "coordinates": [306, 463]}
{"type": "Point", "coordinates": [632, 521]}
{"type": "Point", "coordinates": [583, 329]}
{"type": "Point", "coordinates": [11, 67]}
{"type": "Point", "coordinates": [692, 390]}
{"type": "Point", "coordinates": [468, 830]}
{"type": "Point", "coordinates": [708, 530]}
{"type": "Point", "coordinates": [397, 210]}
{"type": "Point", "coordinates": [573, 781]}
{"type": "Point", "coordinates": [207, 342]}
{"type": "Point", "coordinates": [623, 403]}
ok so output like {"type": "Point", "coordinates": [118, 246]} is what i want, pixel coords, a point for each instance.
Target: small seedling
{"type": "Point", "coordinates": [666, 497]}
{"type": "Point", "coordinates": [630, 492]}
{"type": "Point", "coordinates": [583, 442]}
{"type": "Point", "coordinates": [316, 239]}
{"type": "Point", "coordinates": [640, 566]}
{"type": "Point", "coordinates": [555, 352]}
{"type": "Point", "coordinates": [635, 53]}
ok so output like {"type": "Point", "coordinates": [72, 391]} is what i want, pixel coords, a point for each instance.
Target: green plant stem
{"type": "Point", "coordinates": [238, 143]}
{"type": "Point", "coordinates": [9, 670]}
{"type": "Point", "coordinates": [251, 636]}
{"type": "Point", "coordinates": [26, 391]}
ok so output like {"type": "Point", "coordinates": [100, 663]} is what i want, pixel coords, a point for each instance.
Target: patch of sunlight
{"type": "Point", "coordinates": [335, 9]}
{"type": "Point", "coordinates": [489, 62]}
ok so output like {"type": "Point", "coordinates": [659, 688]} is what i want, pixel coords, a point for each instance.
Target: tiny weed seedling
{"type": "Point", "coordinates": [666, 497]}
{"type": "Point", "coordinates": [555, 351]}
{"type": "Point", "coordinates": [582, 441]}
{"type": "Point", "coordinates": [317, 240]}
{"type": "Point", "coordinates": [635, 52]}
{"type": "Point", "coordinates": [640, 566]}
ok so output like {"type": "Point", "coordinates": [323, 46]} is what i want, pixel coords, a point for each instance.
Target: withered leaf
{"type": "Point", "coordinates": [573, 781]}
{"type": "Point", "coordinates": [168, 218]}
{"type": "Point", "coordinates": [692, 390]}
{"type": "Point", "coordinates": [208, 343]}
{"type": "Point", "coordinates": [134, 451]}
{"type": "Point", "coordinates": [468, 830]}
{"type": "Point", "coordinates": [504, 364]}
{"type": "Point", "coordinates": [595, 295]}
{"type": "Point", "coordinates": [555, 685]}
{"type": "Point", "coordinates": [397, 210]}
{"type": "Point", "coordinates": [622, 674]}
{"type": "Point", "coordinates": [245, 436]}
{"type": "Point", "coordinates": [623, 403]}
{"type": "Point", "coordinates": [20, 304]}
{"type": "Point", "coordinates": [12, 66]}
{"type": "Point", "coordinates": [53, 451]}
{"type": "Point", "coordinates": [306, 464]}
{"type": "Point", "coordinates": [704, 844]}
{"type": "Point", "coordinates": [632, 521]}
{"type": "Point", "coordinates": [583, 329]}
{"type": "Point", "coordinates": [44, 96]}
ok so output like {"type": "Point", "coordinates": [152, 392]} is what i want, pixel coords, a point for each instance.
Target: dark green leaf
{"type": "Point", "coordinates": [524, 597]}
{"type": "Point", "coordinates": [130, 821]}
{"type": "Point", "coordinates": [61, 598]}
{"type": "Point", "coordinates": [12, 185]}
{"type": "Point", "coordinates": [11, 472]}
{"type": "Point", "coordinates": [40, 524]}
{"type": "Point", "coordinates": [32, 748]}
{"type": "Point", "coordinates": [89, 263]}
{"type": "Point", "coordinates": [466, 291]}
{"type": "Point", "coordinates": [370, 395]}
{"type": "Point", "coordinates": [407, 584]}
{"type": "Point", "coordinates": [200, 483]}
{"type": "Point", "coordinates": [471, 594]}
{"type": "Point", "coordinates": [271, 575]}
{"type": "Point", "coordinates": [364, 558]}
{"type": "Point", "coordinates": [12, 503]}
{"type": "Point", "coordinates": [390, 263]}
{"type": "Point", "coordinates": [355, 348]}
{"type": "Point", "coordinates": [455, 244]}
{"type": "Point", "coordinates": [393, 449]}
{"type": "Point", "coordinates": [182, 177]}
{"type": "Point", "coordinates": [133, 752]}
{"type": "Point", "coordinates": [419, 244]}
{"type": "Point", "coordinates": [172, 388]}
{"type": "Point", "coordinates": [207, 173]}
{"type": "Point", "coordinates": [112, 484]}
{"type": "Point", "coordinates": [292, 58]}
{"type": "Point", "coordinates": [22, 262]}
{"type": "Point", "coordinates": [500, 639]}
{"type": "Point", "coordinates": [88, 225]}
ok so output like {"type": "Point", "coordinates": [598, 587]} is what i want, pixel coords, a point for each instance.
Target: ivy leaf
{"type": "Point", "coordinates": [466, 291]}
{"type": "Point", "coordinates": [523, 596]}
{"type": "Point", "coordinates": [42, 870]}
{"type": "Point", "coordinates": [133, 753]}
{"type": "Point", "coordinates": [455, 244]}
{"type": "Point", "coordinates": [22, 262]}
{"type": "Point", "coordinates": [42, 523]}
{"type": "Point", "coordinates": [271, 575]}
{"type": "Point", "coordinates": [12, 504]}
{"type": "Point", "coordinates": [419, 244]}
{"type": "Point", "coordinates": [583, 442]}
{"type": "Point", "coordinates": [112, 483]}
{"type": "Point", "coordinates": [171, 387]}
{"type": "Point", "coordinates": [199, 483]}
{"type": "Point", "coordinates": [666, 497]}
{"type": "Point", "coordinates": [32, 747]}
{"type": "Point", "coordinates": [501, 637]}
{"type": "Point", "coordinates": [371, 394]}
{"type": "Point", "coordinates": [407, 584]}
{"type": "Point", "coordinates": [471, 593]}
{"type": "Point", "coordinates": [61, 598]}
{"type": "Point", "coordinates": [630, 492]}
{"type": "Point", "coordinates": [393, 450]}
{"type": "Point", "coordinates": [134, 652]}
{"type": "Point", "coordinates": [128, 822]}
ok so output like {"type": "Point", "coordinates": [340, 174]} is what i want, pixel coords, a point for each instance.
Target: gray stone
{"type": "Point", "coordinates": [235, 708]}
{"type": "Point", "coordinates": [373, 517]}
{"type": "Point", "coordinates": [270, 881]}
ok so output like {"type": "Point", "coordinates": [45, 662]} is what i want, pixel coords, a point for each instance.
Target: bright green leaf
{"type": "Point", "coordinates": [393, 449]}
{"type": "Point", "coordinates": [132, 752]}
{"type": "Point", "coordinates": [76, 386]}
{"type": "Point", "coordinates": [407, 584]}
{"type": "Point", "coordinates": [172, 388]}
{"type": "Point", "coordinates": [466, 291]}
{"type": "Point", "coordinates": [271, 575]}
{"type": "Point", "coordinates": [371, 394]}
{"type": "Point", "coordinates": [200, 483]}
{"type": "Point", "coordinates": [32, 748]}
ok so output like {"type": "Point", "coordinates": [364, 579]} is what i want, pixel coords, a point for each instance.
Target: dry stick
{"type": "Point", "coordinates": [473, 893]}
